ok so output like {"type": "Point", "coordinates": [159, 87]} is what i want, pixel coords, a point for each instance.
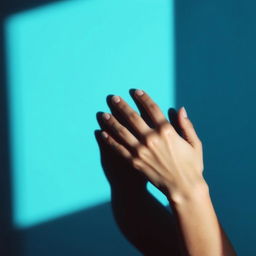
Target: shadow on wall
{"type": "Point", "coordinates": [90, 232]}
{"type": "Point", "coordinates": [216, 62]}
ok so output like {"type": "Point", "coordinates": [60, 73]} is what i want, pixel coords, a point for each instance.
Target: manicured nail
{"type": "Point", "coordinates": [116, 99]}
{"type": "Point", "coordinates": [106, 116]}
{"type": "Point", "coordinates": [104, 135]}
{"type": "Point", "coordinates": [139, 92]}
{"type": "Point", "coordinates": [185, 114]}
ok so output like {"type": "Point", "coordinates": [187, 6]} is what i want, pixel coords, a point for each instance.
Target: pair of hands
{"type": "Point", "coordinates": [170, 161]}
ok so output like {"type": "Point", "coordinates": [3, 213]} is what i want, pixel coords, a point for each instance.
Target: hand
{"type": "Point", "coordinates": [173, 163]}
{"type": "Point", "coordinates": [119, 174]}
{"type": "Point", "coordinates": [139, 216]}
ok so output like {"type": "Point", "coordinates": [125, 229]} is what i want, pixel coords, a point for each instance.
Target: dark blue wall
{"type": "Point", "coordinates": [216, 80]}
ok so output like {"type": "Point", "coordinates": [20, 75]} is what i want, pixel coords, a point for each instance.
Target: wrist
{"type": "Point", "coordinates": [195, 193]}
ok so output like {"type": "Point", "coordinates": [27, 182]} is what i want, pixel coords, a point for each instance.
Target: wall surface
{"type": "Point", "coordinates": [61, 59]}
{"type": "Point", "coordinates": [215, 75]}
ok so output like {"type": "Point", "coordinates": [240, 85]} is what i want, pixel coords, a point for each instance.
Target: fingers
{"type": "Point", "coordinates": [134, 119]}
{"type": "Point", "coordinates": [151, 107]}
{"type": "Point", "coordinates": [188, 130]}
{"type": "Point", "coordinates": [119, 148]}
{"type": "Point", "coordinates": [173, 117]}
{"type": "Point", "coordinates": [134, 161]}
{"type": "Point", "coordinates": [122, 132]}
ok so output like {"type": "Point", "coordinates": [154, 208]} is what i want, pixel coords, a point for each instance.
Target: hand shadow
{"type": "Point", "coordinates": [145, 222]}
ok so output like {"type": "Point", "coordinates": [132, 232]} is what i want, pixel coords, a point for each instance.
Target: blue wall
{"type": "Point", "coordinates": [216, 60]}
{"type": "Point", "coordinates": [62, 55]}
{"type": "Point", "coordinates": [63, 59]}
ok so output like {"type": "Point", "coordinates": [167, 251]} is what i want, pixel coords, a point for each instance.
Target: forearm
{"type": "Point", "coordinates": [200, 229]}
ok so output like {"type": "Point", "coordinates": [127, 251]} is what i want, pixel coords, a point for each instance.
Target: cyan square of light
{"type": "Point", "coordinates": [63, 59]}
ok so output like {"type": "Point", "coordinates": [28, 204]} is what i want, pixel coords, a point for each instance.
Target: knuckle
{"type": "Point", "coordinates": [152, 106]}
{"type": "Point", "coordinates": [165, 128]}
{"type": "Point", "coordinates": [121, 130]}
{"type": "Point", "coordinates": [151, 139]}
{"type": "Point", "coordinates": [140, 151]}
{"type": "Point", "coordinates": [133, 115]}
{"type": "Point", "coordinates": [136, 163]}
{"type": "Point", "coordinates": [114, 127]}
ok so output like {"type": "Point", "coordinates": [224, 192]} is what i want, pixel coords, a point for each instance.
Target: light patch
{"type": "Point", "coordinates": [63, 60]}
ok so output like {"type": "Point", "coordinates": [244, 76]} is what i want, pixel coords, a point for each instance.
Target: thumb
{"type": "Point", "coordinates": [188, 130]}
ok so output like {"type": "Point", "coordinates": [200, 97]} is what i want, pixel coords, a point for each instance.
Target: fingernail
{"type": "Point", "coordinates": [106, 116]}
{"type": "Point", "coordinates": [116, 99]}
{"type": "Point", "coordinates": [185, 114]}
{"type": "Point", "coordinates": [139, 92]}
{"type": "Point", "coordinates": [104, 135]}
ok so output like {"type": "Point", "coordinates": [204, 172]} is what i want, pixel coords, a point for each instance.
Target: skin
{"type": "Point", "coordinates": [146, 224]}
{"type": "Point", "coordinates": [172, 162]}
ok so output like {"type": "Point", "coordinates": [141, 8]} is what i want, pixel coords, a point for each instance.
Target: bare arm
{"type": "Point", "coordinates": [174, 164]}
{"type": "Point", "coordinates": [200, 229]}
